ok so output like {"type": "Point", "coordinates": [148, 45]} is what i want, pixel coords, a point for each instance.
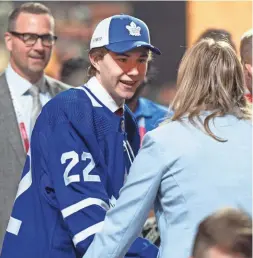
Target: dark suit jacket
{"type": "Point", "coordinates": [12, 154]}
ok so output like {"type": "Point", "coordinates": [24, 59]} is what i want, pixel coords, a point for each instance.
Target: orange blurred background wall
{"type": "Point", "coordinates": [234, 16]}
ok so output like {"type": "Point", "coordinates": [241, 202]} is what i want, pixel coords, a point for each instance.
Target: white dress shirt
{"type": "Point", "coordinates": [21, 98]}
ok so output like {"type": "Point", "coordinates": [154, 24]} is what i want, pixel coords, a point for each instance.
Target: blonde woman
{"type": "Point", "coordinates": [192, 165]}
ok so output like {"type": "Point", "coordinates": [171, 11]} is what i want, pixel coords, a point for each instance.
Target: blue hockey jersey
{"type": "Point", "coordinates": [79, 155]}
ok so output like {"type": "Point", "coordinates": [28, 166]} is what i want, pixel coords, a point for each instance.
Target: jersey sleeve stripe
{"type": "Point", "coordinates": [84, 234]}
{"type": "Point", "coordinates": [24, 184]}
{"type": "Point", "coordinates": [26, 181]}
{"type": "Point", "coordinates": [14, 226]}
{"type": "Point", "coordinates": [83, 204]}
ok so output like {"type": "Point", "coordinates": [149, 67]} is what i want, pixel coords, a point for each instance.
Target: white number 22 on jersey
{"type": "Point", "coordinates": [73, 156]}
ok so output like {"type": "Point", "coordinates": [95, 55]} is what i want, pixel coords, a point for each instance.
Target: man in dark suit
{"type": "Point", "coordinates": [24, 89]}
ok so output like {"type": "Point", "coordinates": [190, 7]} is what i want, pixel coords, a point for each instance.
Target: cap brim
{"type": "Point", "coordinates": [122, 47]}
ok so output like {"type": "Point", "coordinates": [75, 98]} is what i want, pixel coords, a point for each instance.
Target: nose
{"type": "Point", "coordinates": [133, 71]}
{"type": "Point", "coordinates": [38, 45]}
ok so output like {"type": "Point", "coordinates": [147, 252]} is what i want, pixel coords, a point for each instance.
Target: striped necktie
{"type": "Point", "coordinates": [36, 107]}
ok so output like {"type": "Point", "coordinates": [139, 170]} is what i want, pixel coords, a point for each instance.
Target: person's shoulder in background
{"type": "Point", "coordinates": [157, 113]}
{"type": "Point", "coordinates": [57, 84]}
{"type": "Point", "coordinates": [153, 105]}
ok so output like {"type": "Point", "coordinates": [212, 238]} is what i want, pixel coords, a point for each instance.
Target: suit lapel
{"type": "Point", "coordinates": [8, 120]}
{"type": "Point", "coordinates": [53, 87]}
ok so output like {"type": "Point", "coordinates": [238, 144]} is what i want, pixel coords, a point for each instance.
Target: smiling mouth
{"type": "Point", "coordinates": [37, 57]}
{"type": "Point", "coordinates": [128, 83]}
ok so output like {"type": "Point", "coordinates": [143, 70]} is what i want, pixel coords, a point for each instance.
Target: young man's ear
{"type": "Point", "coordinates": [94, 61]}
{"type": "Point", "coordinates": [8, 40]}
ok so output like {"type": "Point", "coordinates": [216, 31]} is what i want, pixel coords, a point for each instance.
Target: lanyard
{"type": "Point", "coordinates": [142, 129]}
{"type": "Point", "coordinates": [20, 120]}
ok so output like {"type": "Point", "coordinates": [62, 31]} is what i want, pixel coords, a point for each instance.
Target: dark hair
{"type": "Point", "coordinates": [30, 7]}
{"type": "Point", "coordinates": [98, 54]}
{"type": "Point", "coordinates": [228, 229]}
{"type": "Point", "coordinates": [217, 35]}
{"type": "Point", "coordinates": [71, 65]}
{"type": "Point", "coordinates": [246, 47]}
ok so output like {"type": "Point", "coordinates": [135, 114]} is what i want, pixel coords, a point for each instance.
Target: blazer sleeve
{"type": "Point", "coordinates": [124, 222]}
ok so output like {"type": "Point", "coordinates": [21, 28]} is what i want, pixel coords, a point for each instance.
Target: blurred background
{"type": "Point", "coordinates": [174, 26]}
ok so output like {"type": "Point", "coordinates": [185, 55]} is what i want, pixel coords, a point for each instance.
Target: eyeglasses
{"type": "Point", "coordinates": [30, 38]}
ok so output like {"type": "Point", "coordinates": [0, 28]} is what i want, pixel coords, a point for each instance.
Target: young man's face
{"type": "Point", "coordinates": [122, 74]}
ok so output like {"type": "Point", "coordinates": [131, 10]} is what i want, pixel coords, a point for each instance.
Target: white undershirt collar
{"type": "Point", "coordinates": [101, 93]}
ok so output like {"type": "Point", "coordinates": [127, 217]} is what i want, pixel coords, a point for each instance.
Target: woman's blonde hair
{"type": "Point", "coordinates": [210, 78]}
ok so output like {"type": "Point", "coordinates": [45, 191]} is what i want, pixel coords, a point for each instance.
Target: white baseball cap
{"type": "Point", "coordinates": [122, 33]}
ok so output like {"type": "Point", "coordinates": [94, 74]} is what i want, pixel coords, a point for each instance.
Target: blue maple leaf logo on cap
{"type": "Point", "coordinates": [133, 29]}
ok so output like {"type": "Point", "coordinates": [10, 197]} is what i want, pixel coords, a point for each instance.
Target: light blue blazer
{"type": "Point", "coordinates": [187, 175]}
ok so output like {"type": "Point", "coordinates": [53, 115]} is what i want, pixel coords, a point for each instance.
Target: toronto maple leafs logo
{"type": "Point", "coordinates": [133, 29]}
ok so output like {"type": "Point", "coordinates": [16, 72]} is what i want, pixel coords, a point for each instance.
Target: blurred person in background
{"type": "Point", "coordinates": [82, 146]}
{"type": "Point", "coordinates": [147, 113]}
{"type": "Point", "coordinates": [24, 89]}
{"type": "Point", "coordinates": [246, 59]}
{"type": "Point", "coordinates": [226, 233]}
{"type": "Point", "coordinates": [167, 93]}
{"type": "Point", "coordinates": [218, 34]}
{"type": "Point", "coordinates": [195, 163]}
{"type": "Point", "coordinates": [74, 71]}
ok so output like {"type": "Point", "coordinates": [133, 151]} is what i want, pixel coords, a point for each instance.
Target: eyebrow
{"type": "Point", "coordinates": [31, 33]}
{"type": "Point", "coordinates": [126, 55]}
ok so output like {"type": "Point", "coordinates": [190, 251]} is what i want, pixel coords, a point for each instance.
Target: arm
{"type": "Point", "coordinates": [124, 222]}
{"type": "Point", "coordinates": [79, 182]}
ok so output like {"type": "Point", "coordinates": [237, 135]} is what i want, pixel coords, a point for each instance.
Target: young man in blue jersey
{"type": "Point", "coordinates": [81, 149]}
